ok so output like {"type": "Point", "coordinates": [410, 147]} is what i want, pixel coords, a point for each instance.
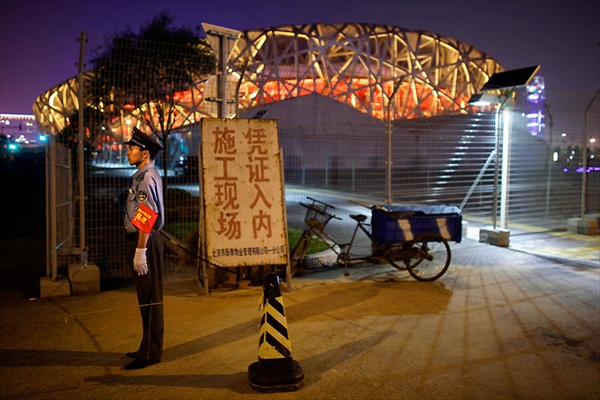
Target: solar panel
{"type": "Point", "coordinates": [512, 78]}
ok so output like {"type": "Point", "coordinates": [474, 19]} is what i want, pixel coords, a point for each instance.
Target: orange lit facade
{"type": "Point", "coordinates": [383, 71]}
{"type": "Point", "coordinates": [373, 68]}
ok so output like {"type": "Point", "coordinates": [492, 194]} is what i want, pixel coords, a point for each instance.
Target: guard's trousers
{"type": "Point", "coordinates": [149, 290]}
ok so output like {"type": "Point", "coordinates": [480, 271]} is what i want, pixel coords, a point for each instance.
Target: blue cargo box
{"type": "Point", "coordinates": [399, 224]}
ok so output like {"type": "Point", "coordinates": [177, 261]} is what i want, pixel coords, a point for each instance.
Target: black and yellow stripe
{"type": "Point", "coordinates": [275, 370]}
{"type": "Point", "coordinates": [274, 341]}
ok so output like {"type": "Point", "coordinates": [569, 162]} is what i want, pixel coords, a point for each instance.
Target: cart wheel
{"type": "Point", "coordinates": [430, 257]}
{"type": "Point", "coordinates": [299, 252]}
{"type": "Point", "coordinates": [394, 255]}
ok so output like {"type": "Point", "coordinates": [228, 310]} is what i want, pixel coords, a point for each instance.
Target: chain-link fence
{"type": "Point", "coordinates": [329, 146]}
{"type": "Point", "coordinates": [447, 159]}
{"type": "Point", "coordinates": [108, 119]}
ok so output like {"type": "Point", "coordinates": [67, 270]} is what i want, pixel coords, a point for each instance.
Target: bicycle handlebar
{"type": "Point", "coordinates": [311, 207]}
{"type": "Point", "coordinates": [319, 201]}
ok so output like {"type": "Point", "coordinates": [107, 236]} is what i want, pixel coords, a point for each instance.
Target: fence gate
{"type": "Point", "coordinates": [60, 241]}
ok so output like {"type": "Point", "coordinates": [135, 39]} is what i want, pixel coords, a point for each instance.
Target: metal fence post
{"type": "Point", "coordinates": [81, 147]}
{"type": "Point", "coordinates": [585, 157]}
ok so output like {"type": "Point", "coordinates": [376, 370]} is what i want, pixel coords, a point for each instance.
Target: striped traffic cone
{"type": "Point", "coordinates": [275, 369]}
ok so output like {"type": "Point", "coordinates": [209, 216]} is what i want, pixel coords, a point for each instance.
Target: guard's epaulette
{"type": "Point", "coordinates": [140, 177]}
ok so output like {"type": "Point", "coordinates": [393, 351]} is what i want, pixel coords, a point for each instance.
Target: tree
{"type": "Point", "coordinates": [146, 72]}
{"type": "Point", "coordinates": [69, 135]}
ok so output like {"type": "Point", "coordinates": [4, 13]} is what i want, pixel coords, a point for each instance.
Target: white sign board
{"type": "Point", "coordinates": [243, 193]}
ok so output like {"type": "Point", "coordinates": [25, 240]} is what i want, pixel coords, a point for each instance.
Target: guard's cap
{"type": "Point", "coordinates": [146, 142]}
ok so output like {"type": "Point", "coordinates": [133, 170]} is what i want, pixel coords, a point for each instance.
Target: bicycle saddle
{"type": "Point", "coordinates": [359, 217]}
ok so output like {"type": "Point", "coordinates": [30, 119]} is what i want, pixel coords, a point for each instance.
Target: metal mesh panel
{"type": "Point", "coordinates": [108, 174]}
{"type": "Point", "coordinates": [441, 160]}
{"type": "Point", "coordinates": [64, 196]}
{"type": "Point", "coordinates": [331, 146]}
{"type": "Point", "coordinates": [336, 149]}
{"type": "Point", "coordinates": [60, 202]}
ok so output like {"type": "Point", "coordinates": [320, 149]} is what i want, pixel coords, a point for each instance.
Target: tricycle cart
{"type": "Point", "coordinates": [410, 238]}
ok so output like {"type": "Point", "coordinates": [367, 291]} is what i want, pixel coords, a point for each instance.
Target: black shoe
{"type": "Point", "coordinates": [132, 354]}
{"type": "Point", "coordinates": [140, 363]}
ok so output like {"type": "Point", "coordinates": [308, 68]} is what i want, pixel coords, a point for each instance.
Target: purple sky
{"type": "Point", "coordinates": [38, 46]}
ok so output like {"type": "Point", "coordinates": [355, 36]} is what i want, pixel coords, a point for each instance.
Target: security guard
{"type": "Point", "coordinates": [144, 218]}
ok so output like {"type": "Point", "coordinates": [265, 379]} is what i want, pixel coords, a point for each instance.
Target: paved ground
{"type": "Point", "coordinates": [503, 323]}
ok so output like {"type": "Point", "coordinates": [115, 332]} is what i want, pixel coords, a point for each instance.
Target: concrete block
{"type": "Point", "coordinates": [573, 225]}
{"type": "Point", "coordinates": [84, 280]}
{"type": "Point", "coordinates": [587, 226]}
{"type": "Point", "coordinates": [50, 288]}
{"type": "Point", "coordinates": [595, 216]}
{"type": "Point", "coordinates": [594, 223]}
{"type": "Point", "coordinates": [497, 237]}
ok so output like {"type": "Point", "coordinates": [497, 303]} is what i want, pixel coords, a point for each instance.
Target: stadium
{"type": "Point", "coordinates": [360, 65]}
{"type": "Point", "coordinates": [332, 84]}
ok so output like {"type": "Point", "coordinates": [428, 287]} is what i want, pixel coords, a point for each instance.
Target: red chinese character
{"type": "Point", "coordinates": [224, 141]}
{"type": "Point", "coordinates": [260, 196]}
{"type": "Point", "coordinates": [261, 222]}
{"type": "Point", "coordinates": [229, 226]}
{"type": "Point", "coordinates": [257, 169]}
{"type": "Point", "coordinates": [226, 194]}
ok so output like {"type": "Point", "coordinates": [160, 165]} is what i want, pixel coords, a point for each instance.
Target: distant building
{"type": "Point", "coordinates": [20, 129]}
{"type": "Point", "coordinates": [534, 106]}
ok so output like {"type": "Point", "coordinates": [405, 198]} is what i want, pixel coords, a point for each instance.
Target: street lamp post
{"type": "Point", "coordinates": [505, 163]}
{"type": "Point", "coordinates": [500, 131]}
{"type": "Point", "coordinates": [505, 83]}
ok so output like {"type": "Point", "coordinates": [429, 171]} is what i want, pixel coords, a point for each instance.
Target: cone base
{"type": "Point", "coordinates": [268, 382]}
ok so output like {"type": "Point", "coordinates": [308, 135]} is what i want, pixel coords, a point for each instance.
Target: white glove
{"type": "Point", "coordinates": [139, 262]}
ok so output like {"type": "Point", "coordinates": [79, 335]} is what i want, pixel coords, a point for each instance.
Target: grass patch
{"type": "Point", "coordinates": [183, 229]}
{"type": "Point", "coordinates": [315, 246]}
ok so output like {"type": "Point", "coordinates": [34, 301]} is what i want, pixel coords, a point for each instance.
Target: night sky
{"type": "Point", "coordinates": [39, 48]}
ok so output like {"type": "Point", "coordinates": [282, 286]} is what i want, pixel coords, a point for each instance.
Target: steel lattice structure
{"type": "Point", "coordinates": [373, 68]}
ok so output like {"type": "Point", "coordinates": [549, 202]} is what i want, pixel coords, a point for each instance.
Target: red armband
{"type": "Point", "coordinates": [144, 218]}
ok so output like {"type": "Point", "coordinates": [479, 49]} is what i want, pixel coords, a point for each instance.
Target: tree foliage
{"type": "Point", "coordinates": [144, 72]}
{"type": "Point", "coordinates": [69, 135]}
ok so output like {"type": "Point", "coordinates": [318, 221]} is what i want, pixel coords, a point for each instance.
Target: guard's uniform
{"type": "Point", "coordinates": [146, 189]}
